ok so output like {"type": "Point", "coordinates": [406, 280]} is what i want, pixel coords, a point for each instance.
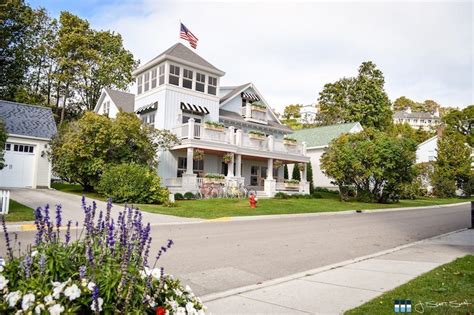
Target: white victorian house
{"type": "Point", "coordinates": [418, 120]}
{"type": "Point", "coordinates": [180, 91]}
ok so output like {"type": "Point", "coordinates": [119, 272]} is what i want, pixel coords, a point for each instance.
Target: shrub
{"type": "Point", "coordinates": [281, 195]}
{"type": "Point", "coordinates": [108, 269]}
{"type": "Point", "coordinates": [189, 195]}
{"type": "Point", "coordinates": [178, 196]}
{"type": "Point", "coordinates": [325, 190]}
{"type": "Point", "coordinates": [316, 195]}
{"type": "Point", "coordinates": [132, 183]}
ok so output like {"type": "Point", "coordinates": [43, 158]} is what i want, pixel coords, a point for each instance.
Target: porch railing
{"type": "Point", "coordinates": [174, 182]}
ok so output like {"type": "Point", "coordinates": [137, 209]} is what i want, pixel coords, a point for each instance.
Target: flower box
{"type": "Point", "coordinates": [215, 128]}
{"type": "Point", "coordinates": [256, 136]}
{"type": "Point", "coordinates": [289, 142]}
{"type": "Point", "coordinates": [292, 185]}
{"type": "Point", "coordinates": [258, 108]}
{"type": "Point", "coordinates": [214, 181]}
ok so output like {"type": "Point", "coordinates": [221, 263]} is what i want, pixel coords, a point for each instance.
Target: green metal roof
{"type": "Point", "coordinates": [321, 136]}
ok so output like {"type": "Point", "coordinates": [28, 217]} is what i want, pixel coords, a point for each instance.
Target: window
{"type": "Point", "coordinates": [139, 84]}
{"type": "Point", "coordinates": [8, 147]}
{"type": "Point", "coordinates": [187, 79]}
{"type": "Point", "coordinates": [107, 108]}
{"type": "Point", "coordinates": [153, 78]}
{"type": "Point", "coordinates": [174, 75]}
{"type": "Point", "coordinates": [212, 85]}
{"type": "Point", "coordinates": [162, 75]}
{"type": "Point", "coordinates": [198, 167]}
{"type": "Point", "coordinates": [200, 81]}
{"type": "Point", "coordinates": [151, 118]}
{"type": "Point", "coordinates": [147, 82]}
{"type": "Point", "coordinates": [22, 148]}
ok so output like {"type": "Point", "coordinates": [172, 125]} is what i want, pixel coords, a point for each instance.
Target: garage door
{"type": "Point", "coordinates": [19, 162]}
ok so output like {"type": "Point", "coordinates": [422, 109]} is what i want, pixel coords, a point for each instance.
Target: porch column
{"type": "Point", "coordinates": [232, 135]}
{"type": "Point", "coordinates": [189, 160]}
{"type": "Point", "coordinates": [238, 137]}
{"type": "Point", "coordinates": [303, 147]}
{"type": "Point", "coordinates": [270, 143]}
{"type": "Point", "coordinates": [238, 165]}
{"type": "Point", "coordinates": [230, 168]}
{"type": "Point", "coordinates": [270, 169]}
{"type": "Point", "coordinates": [248, 111]}
{"type": "Point", "coordinates": [303, 177]}
{"type": "Point", "coordinates": [190, 129]}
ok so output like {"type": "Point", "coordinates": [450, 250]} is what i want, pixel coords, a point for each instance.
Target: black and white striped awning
{"type": "Point", "coordinates": [194, 109]}
{"type": "Point", "coordinates": [249, 96]}
{"type": "Point", "coordinates": [147, 108]}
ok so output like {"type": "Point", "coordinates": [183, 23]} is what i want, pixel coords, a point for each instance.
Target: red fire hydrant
{"type": "Point", "coordinates": [253, 201]}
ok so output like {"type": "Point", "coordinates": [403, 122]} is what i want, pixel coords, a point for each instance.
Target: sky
{"type": "Point", "coordinates": [290, 49]}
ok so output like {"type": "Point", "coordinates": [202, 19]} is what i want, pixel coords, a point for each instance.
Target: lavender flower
{"type": "Point", "coordinates": [26, 265]}
{"type": "Point", "coordinates": [7, 239]}
{"type": "Point", "coordinates": [42, 263]}
{"type": "Point", "coordinates": [110, 235]}
{"type": "Point", "coordinates": [82, 272]}
{"type": "Point", "coordinates": [95, 297]}
{"type": "Point", "coordinates": [68, 232]}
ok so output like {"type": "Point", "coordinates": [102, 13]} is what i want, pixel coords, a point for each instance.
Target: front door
{"type": "Point", "coordinates": [258, 175]}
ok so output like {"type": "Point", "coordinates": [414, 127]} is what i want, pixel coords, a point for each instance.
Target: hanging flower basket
{"type": "Point", "coordinates": [301, 166]}
{"type": "Point", "coordinates": [198, 155]}
{"type": "Point", "coordinates": [277, 164]}
{"type": "Point", "coordinates": [227, 158]}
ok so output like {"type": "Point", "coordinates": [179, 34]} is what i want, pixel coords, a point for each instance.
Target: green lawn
{"type": "Point", "coordinates": [450, 282]}
{"type": "Point", "coordinates": [217, 208]}
{"type": "Point", "coordinates": [19, 212]}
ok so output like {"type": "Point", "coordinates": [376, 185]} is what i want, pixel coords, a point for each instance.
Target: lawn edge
{"type": "Point", "coordinates": [272, 282]}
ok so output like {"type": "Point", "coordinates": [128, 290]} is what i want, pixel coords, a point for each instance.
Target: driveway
{"type": "Point", "coordinates": [71, 205]}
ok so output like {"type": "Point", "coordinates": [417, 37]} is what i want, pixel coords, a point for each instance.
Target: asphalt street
{"type": "Point", "coordinates": [215, 256]}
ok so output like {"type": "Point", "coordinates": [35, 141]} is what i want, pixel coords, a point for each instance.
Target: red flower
{"type": "Point", "coordinates": [160, 310]}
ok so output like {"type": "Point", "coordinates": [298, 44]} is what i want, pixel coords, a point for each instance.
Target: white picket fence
{"type": "Point", "coordinates": [4, 201]}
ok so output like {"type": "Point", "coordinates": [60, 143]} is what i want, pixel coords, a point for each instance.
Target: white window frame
{"type": "Point", "coordinates": [203, 82]}
{"type": "Point", "coordinates": [161, 74]}
{"type": "Point", "coordinates": [209, 79]}
{"type": "Point", "coordinates": [139, 84]}
{"type": "Point", "coordinates": [153, 78]}
{"type": "Point", "coordinates": [188, 75]}
{"type": "Point", "coordinates": [173, 74]}
{"type": "Point", "coordinates": [146, 82]}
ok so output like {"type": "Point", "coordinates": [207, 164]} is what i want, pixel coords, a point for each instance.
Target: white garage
{"type": "Point", "coordinates": [30, 129]}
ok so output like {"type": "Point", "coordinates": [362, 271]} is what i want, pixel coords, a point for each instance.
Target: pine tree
{"type": "Point", "coordinates": [296, 172]}
{"type": "Point", "coordinates": [309, 177]}
{"type": "Point", "coordinates": [285, 172]}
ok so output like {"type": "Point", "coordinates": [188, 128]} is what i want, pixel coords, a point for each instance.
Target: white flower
{"type": "Point", "coordinates": [3, 282]}
{"type": "Point", "coordinates": [156, 273]}
{"type": "Point", "coordinates": [48, 299]}
{"type": "Point", "coordinates": [91, 286]}
{"type": "Point", "coordinates": [174, 305]}
{"type": "Point", "coordinates": [19, 312]}
{"type": "Point", "coordinates": [39, 308]}
{"type": "Point", "coordinates": [181, 311]}
{"type": "Point", "coordinates": [59, 287]}
{"type": "Point", "coordinates": [72, 292]}
{"type": "Point", "coordinates": [142, 274]}
{"type": "Point", "coordinates": [177, 292]}
{"type": "Point", "coordinates": [188, 289]}
{"type": "Point", "coordinates": [56, 309]}
{"type": "Point", "coordinates": [190, 308]}
{"type": "Point", "coordinates": [28, 301]}
{"type": "Point", "coordinates": [100, 301]}
{"type": "Point", "coordinates": [201, 312]}
{"type": "Point", "coordinates": [1, 268]}
{"type": "Point", "coordinates": [13, 298]}
{"type": "Point", "coordinates": [34, 253]}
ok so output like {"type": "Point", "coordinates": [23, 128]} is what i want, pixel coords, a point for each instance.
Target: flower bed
{"type": "Point", "coordinates": [213, 125]}
{"type": "Point", "coordinates": [103, 267]}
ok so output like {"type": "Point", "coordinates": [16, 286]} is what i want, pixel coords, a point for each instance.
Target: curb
{"type": "Point", "coordinates": [265, 284]}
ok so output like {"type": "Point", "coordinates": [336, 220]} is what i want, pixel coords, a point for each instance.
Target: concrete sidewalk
{"type": "Point", "coordinates": [340, 287]}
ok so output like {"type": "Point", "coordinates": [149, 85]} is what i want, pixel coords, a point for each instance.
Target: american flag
{"type": "Point", "coordinates": [187, 35]}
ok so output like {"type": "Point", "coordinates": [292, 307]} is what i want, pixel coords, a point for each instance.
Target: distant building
{"type": "Point", "coordinates": [317, 141]}
{"type": "Point", "coordinates": [427, 151]}
{"type": "Point", "coordinates": [308, 114]}
{"type": "Point", "coordinates": [423, 120]}
{"type": "Point", "coordinates": [112, 101]}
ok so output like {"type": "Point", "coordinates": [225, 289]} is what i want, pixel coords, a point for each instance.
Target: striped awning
{"type": "Point", "coordinates": [147, 108]}
{"type": "Point", "coordinates": [249, 96]}
{"type": "Point", "coordinates": [194, 109]}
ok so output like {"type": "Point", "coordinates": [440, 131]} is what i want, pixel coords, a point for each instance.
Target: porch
{"type": "Point", "coordinates": [231, 171]}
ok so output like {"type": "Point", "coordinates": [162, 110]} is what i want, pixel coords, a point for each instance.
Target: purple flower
{"type": "Point", "coordinates": [82, 272]}
{"type": "Point", "coordinates": [68, 231]}
{"type": "Point", "coordinates": [26, 265]}
{"type": "Point", "coordinates": [42, 263]}
{"type": "Point", "coordinates": [95, 297]}
{"type": "Point", "coordinates": [7, 239]}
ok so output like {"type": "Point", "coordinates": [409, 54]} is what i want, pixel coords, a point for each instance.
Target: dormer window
{"type": "Point", "coordinates": [212, 85]}
{"type": "Point", "coordinates": [153, 78]}
{"type": "Point", "coordinates": [161, 78]}
{"type": "Point", "coordinates": [187, 79]}
{"type": "Point", "coordinates": [139, 84]}
{"type": "Point", "coordinates": [200, 82]}
{"type": "Point", "coordinates": [147, 82]}
{"type": "Point", "coordinates": [174, 75]}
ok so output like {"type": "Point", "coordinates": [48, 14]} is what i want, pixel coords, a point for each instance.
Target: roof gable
{"type": "Point", "coordinates": [123, 100]}
{"type": "Point", "coordinates": [322, 136]}
{"type": "Point", "coordinates": [180, 53]}
{"type": "Point", "coordinates": [27, 120]}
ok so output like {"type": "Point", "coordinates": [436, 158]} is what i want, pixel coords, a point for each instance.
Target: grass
{"type": "Point", "coordinates": [218, 208]}
{"type": "Point", "coordinates": [450, 282]}
{"type": "Point", "coordinates": [19, 212]}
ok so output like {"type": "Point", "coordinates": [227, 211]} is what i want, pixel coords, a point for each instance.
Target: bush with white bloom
{"type": "Point", "coordinates": [105, 269]}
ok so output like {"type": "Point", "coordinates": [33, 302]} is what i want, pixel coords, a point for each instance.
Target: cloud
{"type": "Point", "coordinates": [291, 49]}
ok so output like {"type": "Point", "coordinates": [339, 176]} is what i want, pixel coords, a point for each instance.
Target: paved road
{"type": "Point", "coordinates": [218, 256]}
